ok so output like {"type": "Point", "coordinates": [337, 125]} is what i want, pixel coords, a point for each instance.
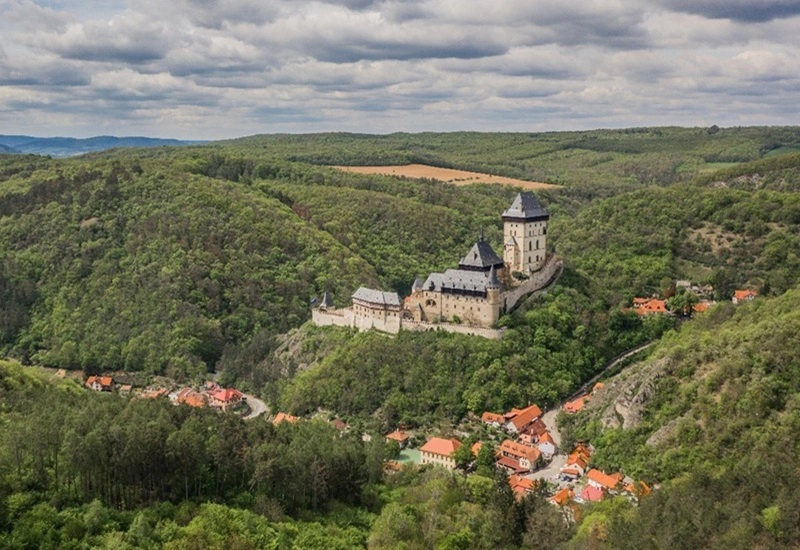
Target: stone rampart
{"type": "Point", "coordinates": [551, 269]}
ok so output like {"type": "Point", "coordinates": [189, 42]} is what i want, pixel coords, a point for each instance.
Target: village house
{"type": "Point", "coordinates": [603, 481]}
{"type": "Point", "coordinates": [517, 457]}
{"type": "Point", "coordinates": [187, 396]}
{"type": "Point", "coordinates": [576, 405]}
{"type": "Point", "coordinates": [546, 445]}
{"type": "Point", "coordinates": [521, 485]}
{"type": "Point", "coordinates": [577, 462]}
{"type": "Point", "coordinates": [493, 419]}
{"type": "Point", "coordinates": [590, 493]}
{"type": "Point", "coordinates": [563, 497]}
{"type": "Point", "coordinates": [649, 306]}
{"type": "Point", "coordinates": [283, 417]}
{"type": "Point", "coordinates": [517, 420]}
{"type": "Point", "coordinates": [740, 296]}
{"type": "Point", "coordinates": [400, 437]}
{"type": "Point", "coordinates": [340, 425]}
{"type": "Point", "coordinates": [224, 399]}
{"type": "Point", "coordinates": [439, 452]}
{"type": "Point", "coordinates": [100, 383]}
{"type": "Point", "coordinates": [533, 432]}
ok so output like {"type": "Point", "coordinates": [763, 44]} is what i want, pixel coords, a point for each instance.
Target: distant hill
{"type": "Point", "coordinates": [67, 147]}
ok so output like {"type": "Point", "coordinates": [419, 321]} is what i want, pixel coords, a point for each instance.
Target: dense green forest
{"type": "Point", "coordinates": [182, 261]}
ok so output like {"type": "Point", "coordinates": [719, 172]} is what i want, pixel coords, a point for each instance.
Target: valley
{"type": "Point", "coordinates": [179, 262]}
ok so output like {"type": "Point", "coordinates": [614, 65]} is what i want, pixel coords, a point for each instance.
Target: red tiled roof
{"type": "Point", "coordinates": [607, 481]}
{"type": "Point", "coordinates": [536, 428]}
{"type": "Point", "coordinates": [576, 405]}
{"type": "Point", "coordinates": [645, 306]}
{"type": "Point", "coordinates": [104, 381]}
{"type": "Point", "coordinates": [191, 398]}
{"type": "Point", "coordinates": [546, 438]}
{"type": "Point", "coordinates": [563, 497]}
{"type": "Point", "coordinates": [398, 436]}
{"type": "Point", "coordinates": [525, 417]}
{"type": "Point", "coordinates": [488, 418]}
{"type": "Point", "coordinates": [744, 294]}
{"type": "Point", "coordinates": [441, 447]}
{"type": "Point", "coordinates": [229, 395]}
{"type": "Point", "coordinates": [283, 417]}
{"type": "Point", "coordinates": [701, 307]}
{"type": "Point", "coordinates": [592, 494]}
{"type": "Point", "coordinates": [511, 464]}
{"type": "Point", "coordinates": [518, 450]}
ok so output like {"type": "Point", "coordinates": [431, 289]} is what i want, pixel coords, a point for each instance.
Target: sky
{"type": "Point", "coordinates": [214, 69]}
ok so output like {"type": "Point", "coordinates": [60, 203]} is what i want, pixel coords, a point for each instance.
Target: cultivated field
{"type": "Point", "coordinates": [456, 177]}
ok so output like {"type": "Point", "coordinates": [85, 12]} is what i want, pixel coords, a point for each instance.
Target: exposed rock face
{"type": "Point", "coordinates": [621, 403]}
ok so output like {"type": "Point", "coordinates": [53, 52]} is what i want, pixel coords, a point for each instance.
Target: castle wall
{"type": "Point", "coordinates": [332, 317]}
{"type": "Point", "coordinates": [535, 282]}
{"type": "Point", "coordinates": [490, 333]}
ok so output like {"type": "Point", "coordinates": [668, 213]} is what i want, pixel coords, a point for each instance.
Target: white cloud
{"type": "Point", "coordinates": [223, 68]}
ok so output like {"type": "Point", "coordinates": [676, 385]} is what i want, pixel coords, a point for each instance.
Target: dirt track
{"type": "Point", "coordinates": [447, 175]}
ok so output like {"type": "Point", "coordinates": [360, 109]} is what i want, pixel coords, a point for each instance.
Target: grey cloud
{"type": "Point", "coordinates": [739, 10]}
{"type": "Point", "coordinates": [376, 49]}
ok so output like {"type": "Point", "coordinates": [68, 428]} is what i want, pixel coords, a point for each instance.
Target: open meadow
{"type": "Point", "coordinates": [447, 175]}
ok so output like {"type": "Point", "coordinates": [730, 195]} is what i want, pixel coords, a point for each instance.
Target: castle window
{"type": "Point", "coordinates": [530, 245]}
{"type": "Point", "coordinates": [537, 243]}
{"type": "Point", "coordinates": [544, 231]}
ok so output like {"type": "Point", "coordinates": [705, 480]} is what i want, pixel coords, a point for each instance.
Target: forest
{"type": "Point", "coordinates": [185, 261]}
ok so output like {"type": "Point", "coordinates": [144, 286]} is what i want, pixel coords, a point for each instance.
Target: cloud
{"type": "Point", "coordinates": [223, 68]}
{"type": "Point", "coordinates": [739, 10]}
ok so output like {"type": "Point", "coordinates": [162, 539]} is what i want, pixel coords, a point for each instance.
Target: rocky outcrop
{"type": "Point", "coordinates": [621, 403]}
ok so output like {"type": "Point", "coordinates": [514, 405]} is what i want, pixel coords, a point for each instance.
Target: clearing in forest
{"type": "Point", "coordinates": [447, 175]}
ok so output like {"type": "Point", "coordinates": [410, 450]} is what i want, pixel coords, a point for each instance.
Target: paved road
{"type": "Point", "coordinates": [552, 469]}
{"type": "Point", "coordinates": [257, 406]}
{"type": "Point", "coordinates": [549, 418]}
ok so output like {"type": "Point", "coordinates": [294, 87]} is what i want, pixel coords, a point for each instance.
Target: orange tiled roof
{"type": "Point", "coordinates": [518, 450]}
{"type": "Point", "coordinates": [652, 305]}
{"type": "Point", "coordinates": [398, 436]}
{"type": "Point", "coordinates": [283, 417]}
{"type": "Point", "coordinates": [188, 396]}
{"type": "Point", "coordinates": [488, 418]}
{"type": "Point", "coordinates": [525, 417]}
{"type": "Point", "coordinates": [576, 405]}
{"type": "Point", "coordinates": [701, 307]}
{"type": "Point", "coordinates": [476, 447]}
{"type": "Point", "coordinates": [229, 395]}
{"type": "Point", "coordinates": [563, 497]}
{"type": "Point", "coordinates": [104, 381]}
{"type": "Point", "coordinates": [744, 294]}
{"type": "Point", "coordinates": [546, 438]}
{"type": "Point", "coordinates": [578, 460]}
{"type": "Point", "coordinates": [600, 478]}
{"type": "Point", "coordinates": [441, 447]}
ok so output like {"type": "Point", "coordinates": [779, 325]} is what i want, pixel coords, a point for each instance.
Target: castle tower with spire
{"type": "Point", "coordinates": [525, 234]}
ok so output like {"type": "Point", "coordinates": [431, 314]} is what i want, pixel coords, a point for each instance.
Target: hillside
{"type": "Point", "coordinates": [713, 415]}
{"type": "Point", "coordinates": [67, 147]}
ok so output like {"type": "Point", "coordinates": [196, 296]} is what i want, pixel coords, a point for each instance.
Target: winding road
{"type": "Point", "coordinates": [549, 418]}
{"type": "Point", "coordinates": [257, 406]}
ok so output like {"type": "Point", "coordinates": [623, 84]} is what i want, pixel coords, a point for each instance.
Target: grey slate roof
{"type": "Point", "coordinates": [327, 300]}
{"type": "Point", "coordinates": [418, 284]}
{"type": "Point", "coordinates": [526, 207]}
{"type": "Point", "coordinates": [493, 282]}
{"type": "Point", "coordinates": [377, 296]}
{"type": "Point", "coordinates": [457, 280]}
{"type": "Point", "coordinates": [480, 256]}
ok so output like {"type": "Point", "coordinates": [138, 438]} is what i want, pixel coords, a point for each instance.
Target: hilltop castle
{"type": "Point", "coordinates": [469, 299]}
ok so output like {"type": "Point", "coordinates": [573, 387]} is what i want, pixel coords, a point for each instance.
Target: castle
{"type": "Point", "coordinates": [469, 299]}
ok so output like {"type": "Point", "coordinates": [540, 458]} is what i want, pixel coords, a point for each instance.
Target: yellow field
{"type": "Point", "coordinates": [456, 177]}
